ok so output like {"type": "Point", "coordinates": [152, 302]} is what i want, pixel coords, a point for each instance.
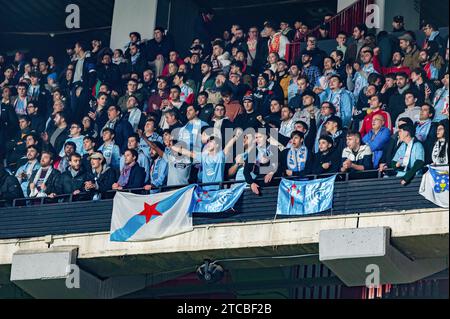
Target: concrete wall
{"type": "Point", "coordinates": [244, 238]}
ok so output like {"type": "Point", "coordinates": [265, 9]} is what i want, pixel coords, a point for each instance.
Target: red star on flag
{"type": "Point", "coordinates": [149, 211]}
{"type": "Point", "coordinates": [294, 189]}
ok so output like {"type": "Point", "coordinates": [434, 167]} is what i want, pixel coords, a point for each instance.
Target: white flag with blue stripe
{"type": "Point", "coordinates": [139, 218]}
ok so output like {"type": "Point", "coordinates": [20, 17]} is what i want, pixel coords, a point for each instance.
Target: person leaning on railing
{"type": "Point", "coordinates": [297, 160]}
{"type": "Point", "coordinates": [72, 181]}
{"type": "Point", "coordinates": [264, 166]}
{"type": "Point", "coordinates": [101, 177]}
{"type": "Point", "coordinates": [356, 157]}
{"type": "Point", "coordinates": [44, 182]}
{"type": "Point", "coordinates": [410, 157]}
{"type": "Point", "coordinates": [132, 176]}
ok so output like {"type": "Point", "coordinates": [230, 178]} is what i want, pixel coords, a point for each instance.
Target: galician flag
{"type": "Point", "coordinates": [138, 218]}
{"type": "Point", "coordinates": [305, 197]}
{"type": "Point", "coordinates": [434, 186]}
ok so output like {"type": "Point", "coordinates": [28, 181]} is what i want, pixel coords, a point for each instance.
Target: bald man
{"type": "Point", "coordinates": [377, 138]}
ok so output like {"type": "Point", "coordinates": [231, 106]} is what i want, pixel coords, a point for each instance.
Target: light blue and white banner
{"type": "Point", "coordinates": [217, 201]}
{"type": "Point", "coordinates": [305, 197]}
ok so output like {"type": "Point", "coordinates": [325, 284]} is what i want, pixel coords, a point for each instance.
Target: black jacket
{"type": "Point", "coordinates": [317, 57]}
{"type": "Point", "coordinates": [123, 130]}
{"type": "Point", "coordinates": [340, 143]}
{"type": "Point", "coordinates": [331, 157]}
{"type": "Point", "coordinates": [142, 120]}
{"type": "Point", "coordinates": [273, 119]}
{"type": "Point", "coordinates": [51, 184]}
{"type": "Point", "coordinates": [310, 138]}
{"type": "Point", "coordinates": [60, 141]}
{"type": "Point", "coordinates": [149, 89]}
{"type": "Point", "coordinates": [8, 126]}
{"type": "Point", "coordinates": [139, 66]}
{"type": "Point", "coordinates": [137, 178]}
{"type": "Point", "coordinates": [153, 48]}
{"type": "Point", "coordinates": [249, 167]}
{"type": "Point", "coordinates": [390, 149]}
{"type": "Point", "coordinates": [262, 51]}
{"type": "Point", "coordinates": [429, 142]}
{"type": "Point", "coordinates": [262, 99]}
{"type": "Point", "coordinates": [206, 113]}
{"type": "Point", "coordinates": [352, 53]}
{"type": "Point", "coordinates": [88, 78]}
{"type": "Point", "coordinates": [9, 187]}
{"type": "Point", "coordinates": [17, 148]}
{"type": "Point", "coordinates": [101, 119]}
{"type": "Point", "coordinates": [37, 123]}
{"type": "Point", "coordinates": [247, 120]}
{"type": "Point", "coordinates": [238, 91]}
{"type": "Point", "coordinates": [8, 121]}
{"type": "Point", "coordinates": [111, 75]}
{"type": "Point", "coordinates": [420, 90]}
{"type": "Point", "coordinates": [396, 105]}
{"type": "Point", "coordinates": [44, 101]}
{"type": "Point", "coordinates": [68, 184]}
{"type": "Point", "coordinates": [104, 180]}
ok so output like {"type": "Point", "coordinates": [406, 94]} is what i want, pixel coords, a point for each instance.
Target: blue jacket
{"type": "Point", "coordinates": [159, 172]}
{"type": "Point", "coordinates": [344, 102]}
{"type": "Point", "coordinates": [377, 143]}
{"type": "Point", "coordinates": [111, 153]}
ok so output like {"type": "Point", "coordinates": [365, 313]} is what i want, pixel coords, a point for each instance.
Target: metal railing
{"type": "Point", "coordinates": [345, 21]}
{"type": "Point", "coordinates": [85, 197]}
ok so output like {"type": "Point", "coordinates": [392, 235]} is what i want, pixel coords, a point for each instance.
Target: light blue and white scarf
{"type": "Point", "coordinates": [296, 160]}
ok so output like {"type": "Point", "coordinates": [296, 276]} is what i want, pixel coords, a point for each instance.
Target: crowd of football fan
{"type": "Point", "coordinates": [149, 116]}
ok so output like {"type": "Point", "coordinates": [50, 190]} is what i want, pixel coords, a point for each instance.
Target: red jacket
{"type": "Point", "coordinates": [389, 70]}
{"type": "Point", "coordinates": [165, 71]}
{"type": "Point", "coordinates": [367, 123]}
